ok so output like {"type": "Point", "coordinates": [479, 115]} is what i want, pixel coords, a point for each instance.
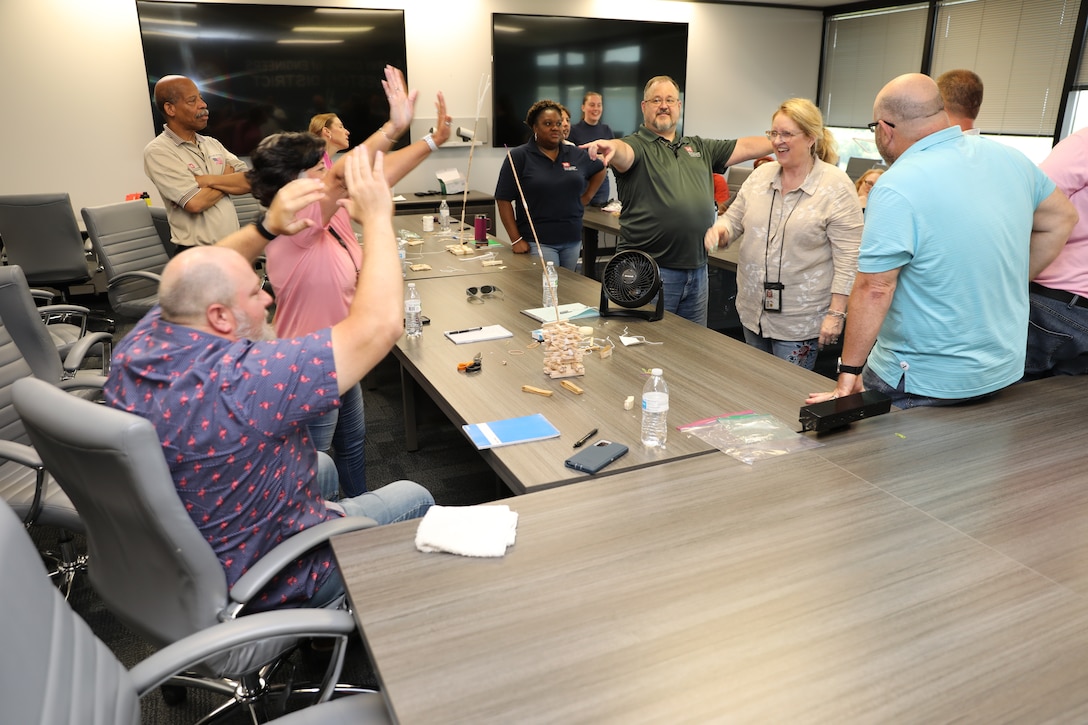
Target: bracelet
{"type": "Point", "coordinates": [430, 142]}
{"type": "Point", "coordinates": [263, 230]}
{"type": "Point", "coordinates": [836, 313]}
{"type": "Point", "coordinates": [519, 239]}
{"type": "Point", "coordinates": [388, 138]}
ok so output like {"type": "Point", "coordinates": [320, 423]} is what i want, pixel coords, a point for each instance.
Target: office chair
{"type": "Point", "coordinates": [40, 234]}
{"type": "Point", "coordinates": [40, 343]}
{"type": "Point", "coordinates": [57, 671]}
{"type": "Point", "coordinates": [24, 483]}
{"type": "Point", "coordinates": [130, 250]}
{"type": "Point", "coordinates": [162, 226]}
{"type": "Point", "coordinates": [248, 208]}
{"type": "Point", "coordinates": [148, 562]}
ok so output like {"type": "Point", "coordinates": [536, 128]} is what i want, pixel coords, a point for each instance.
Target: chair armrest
{"type": "Point", "coordinates": [90, 381]}
{"type": "Point", "coordinates": [27, 456]}
{"type": "Point", "coordinates": [250, 583]}
{"type": "Point", "coordinates": [42, 294]}
{"type": "Point", "coordinates": [135, 274]}
{"type": "Point", "coordinates": [74, 359]}
{"type": "Point", "coordinates": [63, 310]}
{"type": "Point", "coordinates": [197, 647]}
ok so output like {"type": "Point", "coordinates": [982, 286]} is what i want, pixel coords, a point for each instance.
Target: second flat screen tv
{"type": "Point", "coordinates": [561, 58]}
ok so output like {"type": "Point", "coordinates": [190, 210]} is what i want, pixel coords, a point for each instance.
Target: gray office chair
{"type": "Point", "coordinates": [147, 560]}
{"type": "Point", "coordinates": [162, 226]}
{"type": "Point", "coordinates": [40, 234]}
{"type": "Point", "coordinates": [130, 249]}
{"type": "Point", "coordinates": [57, 671]}
{"type": "Point", "coordinates": [40, 343]}
{"type": "Point", "coordinates": [24, 484]}
{"type": "Point", "coordinates": [248, 208]}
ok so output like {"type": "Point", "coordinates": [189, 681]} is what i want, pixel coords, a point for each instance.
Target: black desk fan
{"type": "Point", "coordinates": [631, 279]}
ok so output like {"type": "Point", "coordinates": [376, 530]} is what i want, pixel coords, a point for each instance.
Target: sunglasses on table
{"type": "Point", "coordinates": [487, 290]}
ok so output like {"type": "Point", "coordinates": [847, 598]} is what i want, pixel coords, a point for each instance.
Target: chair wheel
{"type": "Point", "coordinates": [173, 695]}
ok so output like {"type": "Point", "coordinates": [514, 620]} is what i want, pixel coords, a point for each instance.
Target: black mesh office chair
{"type": "Point", "coordinates": [40, 234]}
{"type": "Point", "coordinates": [147, 560]}
{"type": "Point", "coordinates": [130, 249]}
{"type": "Point", "coordinates": [57, 671]}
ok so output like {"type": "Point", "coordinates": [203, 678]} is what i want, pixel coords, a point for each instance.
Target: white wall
{"type": "Point", "coordinates": [76, 113]}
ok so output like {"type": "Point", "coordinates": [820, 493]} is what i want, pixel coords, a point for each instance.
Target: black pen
{"type": "Point", "coordinates": [458, 332]}
{"type": "Point", "coordinates": [581, 441]}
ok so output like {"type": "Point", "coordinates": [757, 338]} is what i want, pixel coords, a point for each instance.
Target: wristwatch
{"type": "Point", "coordinates": [852, 369]}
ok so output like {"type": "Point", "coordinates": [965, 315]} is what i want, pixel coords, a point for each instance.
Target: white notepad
{"type": "Point", "coordinates": [569, 311]}
{"type": "Point", "coordinates": [478, 334]}
{"type": "Point", "coordinates": [511, 430]}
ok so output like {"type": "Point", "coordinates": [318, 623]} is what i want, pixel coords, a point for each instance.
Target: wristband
{"type": "Point", "coordinates": [430, 142]}
{"type": "Point", "coordinates": [836, 313]}
{"type": "Point", "coordinates": [263, 230]}
{"type": "Point", "coordinates": [519, 239]}
{"type": "Point", "coordinates": [388, 138]}
{"type": "Point", "coordinates": [849, 369]}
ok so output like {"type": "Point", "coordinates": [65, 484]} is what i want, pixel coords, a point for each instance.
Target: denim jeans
{"type": "Point", "coordinates": [801, 352]}
{"type": "Point", "coordinates": [563, 255]}
{"type": "Point", "coordinates": [393, 502]}
{"type": "Point", "coordinates": [344, 430]}
{"type": "Point", "coordinates": [1057, 339]}
{"type": "Point", "coordinates": [686, 292]}
{"type": "Point", "coordinates": [902, 399]}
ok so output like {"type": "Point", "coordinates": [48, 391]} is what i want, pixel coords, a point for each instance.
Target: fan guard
{"type": "Point", "coordinates": [631, 279]}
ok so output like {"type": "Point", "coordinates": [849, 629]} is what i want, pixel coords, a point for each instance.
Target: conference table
{"type": "Point", "coordinates": [923, 566]}
{"type": "Point", "coordinates": [708, 374]}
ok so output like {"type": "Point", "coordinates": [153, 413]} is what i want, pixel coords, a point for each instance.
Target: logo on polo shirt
{"type": "Point", "coordinates": [693, 153]}
{"type": "Point", "coordinates": [568, 166]}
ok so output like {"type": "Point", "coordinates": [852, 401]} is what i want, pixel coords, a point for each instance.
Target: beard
{"type": "Point", "coordinates": [887, 155]}
{"type": "Point", "coordinates": [257, 331]}
{"type": "Point", "coordinates": [662, 123]}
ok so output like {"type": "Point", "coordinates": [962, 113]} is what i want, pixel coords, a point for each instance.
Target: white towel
{"type": "Point", "coordinates": [467, 530]}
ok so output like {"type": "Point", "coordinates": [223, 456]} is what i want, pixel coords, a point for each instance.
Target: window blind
{"type": "Point", "coordinates": [865, 50]}
{"type": "Point", "coordinates": [1020, 49]}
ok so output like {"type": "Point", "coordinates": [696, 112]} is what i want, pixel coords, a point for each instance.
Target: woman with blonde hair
{"type": "Point", "coordinates": [865, 183]}
{"type": "Point", "coordinates": [801, 222]}
{"type": "Point", "coordinates": [330, 129]}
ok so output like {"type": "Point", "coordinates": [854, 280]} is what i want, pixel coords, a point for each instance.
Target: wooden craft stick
{"type": "Point", "coordinates": [571, 387]}
{"type": "Point", "coordinates": [536, 391]}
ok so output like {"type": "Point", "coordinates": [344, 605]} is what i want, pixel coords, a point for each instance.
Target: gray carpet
{"type": "Point", "coordinates": [447, 465]}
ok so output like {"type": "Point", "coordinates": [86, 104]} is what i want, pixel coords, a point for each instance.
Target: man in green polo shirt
{"type": "Point", "coordinates": [665, 186]}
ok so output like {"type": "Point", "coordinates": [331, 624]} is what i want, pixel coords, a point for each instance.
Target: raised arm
{"type": "Point", "coordinates": [614, 152]}
{"type": "Point", "coordinates": [375, 320]}
{"type": "Point", "coordinates": [280, 219]}
{"type": "Point", "coordinates": [749, 148]}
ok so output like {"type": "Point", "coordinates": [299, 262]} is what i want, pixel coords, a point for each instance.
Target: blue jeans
{"type": "Point", "coordinates": [1057, 338]}
{"type": "Point", "coordinates": [902, 399]}
{"type": "Point", "coordinates": [686, 292]}
{"type": "Point", "coordinates": [563, 255]}
{"type": "Point", "coordinates": [801, 352]}
{"type": "Point", "coordinates": [344, 431]}
{"type": "Point", "coordinates": [396, 501]}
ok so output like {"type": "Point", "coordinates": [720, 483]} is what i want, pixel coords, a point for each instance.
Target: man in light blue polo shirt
{"type": "Point", "coordinates": [953, 232]}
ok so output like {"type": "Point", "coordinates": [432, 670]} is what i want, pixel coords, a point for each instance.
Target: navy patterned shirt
{"type": "Point", "coordinates": [232, 418]}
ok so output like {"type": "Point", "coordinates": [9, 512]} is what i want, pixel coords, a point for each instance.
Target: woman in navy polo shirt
{"type": "Point", "coordinates": [558, 180]}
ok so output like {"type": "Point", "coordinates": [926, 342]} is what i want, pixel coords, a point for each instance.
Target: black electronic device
{"type": "Point", "coordinates": [841, 412]}
{"type": "Point", "coordinates": [631, 279]}
{"type": "Point", "coordinates": [596, 456]}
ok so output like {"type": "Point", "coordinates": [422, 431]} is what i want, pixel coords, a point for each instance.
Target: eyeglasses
{"type": "Point", "coordinates": [872, 126]}
{"type": "Point", "coordinates": [670, 101]}
{"type": "Point", "coordinates": [784, 135]}
{"type": "Point", "coordinates": [487, 290]}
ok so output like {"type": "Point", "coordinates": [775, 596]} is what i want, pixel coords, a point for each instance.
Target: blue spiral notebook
{"type": "Point", "coordinates": [511, 430]}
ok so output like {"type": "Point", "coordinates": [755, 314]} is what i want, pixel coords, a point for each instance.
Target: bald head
{"type": "Point", "coordinates": [171, 89]}
{"type": "Point", "coordinates": [198, 278]}
{"type": "Point", "coordinates": [911, 108]}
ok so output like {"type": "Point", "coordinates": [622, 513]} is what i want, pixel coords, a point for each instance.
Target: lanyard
{"type": "Point", "coordinates": [343, 244]}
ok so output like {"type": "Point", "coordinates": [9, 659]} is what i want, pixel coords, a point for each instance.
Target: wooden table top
{"type": "Point", "coordinates": [925, 566]}
{"type": "Point", "coordinates": [708, 374]}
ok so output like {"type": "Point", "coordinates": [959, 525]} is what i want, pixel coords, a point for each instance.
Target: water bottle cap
{"type": "Point", "coordinates": [411, 284]}
{"type": "Point", "coordinates": [655, 371]}
{"type": "Point", "coordinates": [551, 264]}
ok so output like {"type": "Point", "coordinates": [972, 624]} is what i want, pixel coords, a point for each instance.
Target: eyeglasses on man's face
{"type": "Point", "coordinates": [872, 126]}
{"type": "Point", "coordinates": [657, 101]}
{"type": "Point", "coordinates": [784, 135]}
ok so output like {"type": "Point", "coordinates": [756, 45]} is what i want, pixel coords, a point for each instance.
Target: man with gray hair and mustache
{"type": "Point", "coordinates": [195, 174]}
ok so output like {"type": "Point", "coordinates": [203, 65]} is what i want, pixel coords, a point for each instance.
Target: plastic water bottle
{"type": "Point", "coordinates": [402, 252]}
{"type": "Point", "coordinates": [655, 411]}
{"type": "Point", "coordinates": [444, 216]}
{"type": "Point", "coordinates": [413, 312]}
{"type": "Point", "coordinates": [550, 281]}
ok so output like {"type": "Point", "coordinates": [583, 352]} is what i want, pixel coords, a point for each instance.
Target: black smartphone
{"type": "Point", "coordinates": [596, 456]}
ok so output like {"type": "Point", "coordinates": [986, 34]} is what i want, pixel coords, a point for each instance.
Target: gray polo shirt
{"type": "Point", "coordinates": [172, 165]}
{"type": "Point", "coordinates": [668, 196]}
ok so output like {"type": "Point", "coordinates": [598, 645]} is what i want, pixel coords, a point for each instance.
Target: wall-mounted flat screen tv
{"type": "Point", "coordinates": [269, 68]}
{"type": "Point", "coordinates": [561, 58]}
